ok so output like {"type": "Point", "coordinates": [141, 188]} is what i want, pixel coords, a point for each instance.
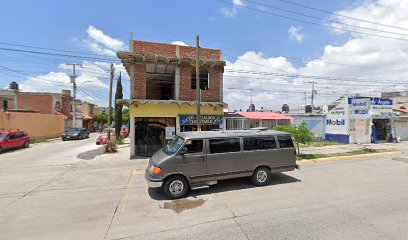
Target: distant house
{"type": "Point", "coordinates": [247, 120]}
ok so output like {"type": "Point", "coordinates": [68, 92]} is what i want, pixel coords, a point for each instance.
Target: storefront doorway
{"type": "Point", "coordinates": [150, 134]}
{"type": "Point", "coordinates": [382, 128]}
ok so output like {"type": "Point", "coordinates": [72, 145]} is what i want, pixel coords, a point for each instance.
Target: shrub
{"type": "Point", "coordinates": [301, 134]}
{"type": "Point", "coordinates": [111, 146]}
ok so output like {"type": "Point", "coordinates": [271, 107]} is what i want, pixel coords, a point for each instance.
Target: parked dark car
{"type": "Point", "coordinates": [75, 133]}
{"type": "Point", "coordinates": [13, 139]}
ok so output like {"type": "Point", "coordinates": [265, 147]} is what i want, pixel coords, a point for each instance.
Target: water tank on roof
{"type": "Point", "coordinates": [13, 86]}
{"type": "Point", "coordinates": [285, 108]}
{"type": "Point", "coordinates": [308, 109]}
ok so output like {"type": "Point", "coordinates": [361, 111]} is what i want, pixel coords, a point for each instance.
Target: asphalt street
{"type": "Point", "coordinates": [47, 192]}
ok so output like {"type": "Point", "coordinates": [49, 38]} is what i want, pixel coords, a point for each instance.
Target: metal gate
{"type": "Point", "coordinates": [149, 137]}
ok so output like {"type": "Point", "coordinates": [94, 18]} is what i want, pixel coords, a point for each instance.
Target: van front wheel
{"type": "Point", "coordinates": [261, 176]}
{"type": "Point", "coordinates": [175, 187]}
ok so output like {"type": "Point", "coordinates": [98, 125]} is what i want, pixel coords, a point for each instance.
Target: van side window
{"type": "Point", "coordinates": [285, 141]}
{"type": "Point", "coordinates": [257, 143]}
{"type": "Point", "coordinates": [224, 145]}
{"type": "Point", "coordinates": [194, 146]}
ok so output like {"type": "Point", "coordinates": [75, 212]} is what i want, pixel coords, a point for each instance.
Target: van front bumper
{"type": "Point", "coordinates": [152, 182]}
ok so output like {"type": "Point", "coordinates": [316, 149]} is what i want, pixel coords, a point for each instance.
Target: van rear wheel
{"type": "Point", "coordinates": [175, 187]}
{"type": "Point", "coordinates": [261, 176]}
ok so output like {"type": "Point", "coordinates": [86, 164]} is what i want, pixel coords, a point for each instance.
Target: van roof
{"type": "Point", "coordinates": [229, 133]}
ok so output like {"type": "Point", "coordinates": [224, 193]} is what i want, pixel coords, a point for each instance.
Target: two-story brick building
{"type": "Point", "coordinates": [163, 92]}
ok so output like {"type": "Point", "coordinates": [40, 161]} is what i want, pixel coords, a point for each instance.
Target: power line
{"type": "Point", "coordinates": [55, 54]}
{"type": "Point", "coordinates": [313, 23]}
{"type": "Point", "coordinates": [341, 15]}
{"type": "Point", "coordinates": [323, 19]}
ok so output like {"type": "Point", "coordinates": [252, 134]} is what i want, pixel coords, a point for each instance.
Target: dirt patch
{"type": "Point", "coordinates": [91, 154]}
{"type": "Point", "coordinates": [183, 204]}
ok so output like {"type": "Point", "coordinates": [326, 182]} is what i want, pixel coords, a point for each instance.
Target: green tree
{"type": "Point", "coordinates": [125, 115]}
{"type": "Point", "coordinates": [101, 118]}
{"type": "Point", "coordinates": [118, 107]}
{"type": "Point", "coordinates": [301, 134]}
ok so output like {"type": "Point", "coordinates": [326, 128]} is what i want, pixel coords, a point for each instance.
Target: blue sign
{"type": "Point", "coordinates": [204, 119]}
{"type": "Point", "coordinates": [381, 101]}
{"type": "Point", "coordinates": [337, 122]}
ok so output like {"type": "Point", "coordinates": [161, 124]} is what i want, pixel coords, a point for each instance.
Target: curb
{"type": "Point", "coordinates": [340, 158]}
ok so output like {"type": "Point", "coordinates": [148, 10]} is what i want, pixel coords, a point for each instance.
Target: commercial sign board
{"type": "Point", "coordinates": [337, 119]}
{"type": "Point", "coordinates": [381, 107]}
{"type": "Point", "coordinates": [359, 108]}
{"type": "Point", "coordinates": [204, 119]}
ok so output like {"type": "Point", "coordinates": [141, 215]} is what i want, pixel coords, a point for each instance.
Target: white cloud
{"type": "Point", "coordinates": [295, 34]}
{"type": "Point", "coordinates": [363, 64]}
{"type": "Point", "coordinates": [233, 10]}
{"type": "Point", "coordinates": [101, 43]}
{"type": "Point", "coordinates": [180, 43]}
{"type": "Point", "coordinates": [92, 77]}
{"type": "Point", "coordinates": [100, 37]}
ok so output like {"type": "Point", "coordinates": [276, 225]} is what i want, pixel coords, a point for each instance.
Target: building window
{"type": "Point", "coordinates": [204, 80]}
{"type": "Point", "coordinates": [285, 141]}
{"type": "Point", "coordinates": [224, 145]}
{"type": "Point", "coordinates": [258, 143]}
{"type": "Point", "coordinates": [57, 105]}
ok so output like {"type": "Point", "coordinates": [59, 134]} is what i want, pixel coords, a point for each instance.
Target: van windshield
{"type": "Point", "coordinates": [173, 145]}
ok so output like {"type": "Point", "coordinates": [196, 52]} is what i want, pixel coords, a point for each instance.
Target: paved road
{"type": "Point", "coordinates": [46, 192]}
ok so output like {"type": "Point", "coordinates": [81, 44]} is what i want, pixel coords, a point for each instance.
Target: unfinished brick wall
{"type": "Point", "coordinates": [185, 93]}
{"type": "Point", "coordinates": [188, 94]}
{"type": "Point", "coordinates": [37, 102]}
{"type": "Point", "coordinates": [140, 81]}
{"type": "Point", "coordinates": [170, 50]}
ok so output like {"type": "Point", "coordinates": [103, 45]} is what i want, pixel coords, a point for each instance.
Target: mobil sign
{"type": "Point", "coordinates": [337, 119]}
{"type": "Point", "coordinates": [338, 122]}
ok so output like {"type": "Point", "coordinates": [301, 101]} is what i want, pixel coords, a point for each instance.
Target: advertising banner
{"type": "Point", "coordinates": [337, 119]}
{"type": "Point", "coordinates": [381, 107]}
{"type": "Point", "coordinates": [359, 108]}
{"type": "Point", "coordinates": [204, 119]}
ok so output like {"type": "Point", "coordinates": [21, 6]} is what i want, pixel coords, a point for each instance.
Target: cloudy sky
{"type": "Point", "coordinates": [276, 48]}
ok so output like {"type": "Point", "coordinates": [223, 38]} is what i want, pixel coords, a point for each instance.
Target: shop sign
{"type": "Point", "coordinates": [204, 119]}
{"type": "Point", "coordinates": [337, 122]}
{"type": "Point", "coordinates": [359, 107]}
{"type": "Point", "coordinates": [381, 107]}
{"type": "Point", "coordinates": [337, 119]}
{"type": "Point", "coordinates": [381, 101]}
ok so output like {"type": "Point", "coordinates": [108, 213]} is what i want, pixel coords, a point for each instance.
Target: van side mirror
{"type": "Point", "coordinates": [183, 151]}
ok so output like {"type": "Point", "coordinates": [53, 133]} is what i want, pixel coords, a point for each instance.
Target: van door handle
{"type": "Point", "coordinates": [201, 158]}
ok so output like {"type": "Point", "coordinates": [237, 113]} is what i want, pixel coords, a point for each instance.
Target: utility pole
{"type": "Point", "coordinates": [198, 82]}
{"type": "Point", "coordinates": [112, 70]}
{"type": "Point", "coordinates": [251, 95]}
{"type": "Point", "coordinates": [74, 88]}
{"type": "Point", "coordinates": [305, 100]}
{"type": "Point", "coordinates": [326, 95]}
{"type": "Point", "coordinates": [313, 92]}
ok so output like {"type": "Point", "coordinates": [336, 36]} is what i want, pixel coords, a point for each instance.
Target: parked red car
{"type": "Point", "coordinates": [103, 138]}
{"type": "Point", "coordinates": [13, 139]}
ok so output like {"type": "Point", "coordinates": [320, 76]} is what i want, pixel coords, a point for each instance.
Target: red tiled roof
{"type": "Point", "coordinates": [400, 110]}
{"type": "Point", "coordinates": [264, 115]}
{"type": "Point", "coordinates": [86, 116]}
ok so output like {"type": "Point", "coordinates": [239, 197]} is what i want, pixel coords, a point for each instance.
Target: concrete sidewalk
{"type": "Point", "coordinates": [402, 146]}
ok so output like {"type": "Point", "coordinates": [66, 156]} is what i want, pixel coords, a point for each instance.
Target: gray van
{"type": "Point", "coordinates": [195, 160]}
